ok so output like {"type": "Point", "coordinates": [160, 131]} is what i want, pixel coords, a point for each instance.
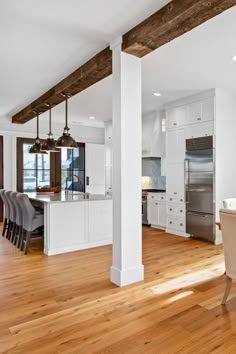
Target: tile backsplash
{"type": "Point", "coordinates": [151, 174]}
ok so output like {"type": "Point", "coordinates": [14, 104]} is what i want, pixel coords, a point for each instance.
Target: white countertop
{"type": "Point", "coordinates": [70, 197]}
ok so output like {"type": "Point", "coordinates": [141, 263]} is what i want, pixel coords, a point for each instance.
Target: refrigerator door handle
{"type": "Point", "coordinates": [198, 214]}
{"type": "Point", "coordinates": [186, 171]}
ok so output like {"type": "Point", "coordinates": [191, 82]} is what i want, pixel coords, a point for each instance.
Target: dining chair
{"type": "Point", "coordinates": [32, 220]}
{"type": "Point", "coordinates": [18, 219]}
{"type": "Point", "coordinates": [229, 203]}
{"type": "Point", "coordinates": [12, 216]}
{"type": "Point", "coordinates": [6, 211]}
{"type": "Point", "coordinates": [228, 228]}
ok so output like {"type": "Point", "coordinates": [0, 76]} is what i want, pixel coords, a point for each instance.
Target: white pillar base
{"type": "Point", "coordinates": [127, 276]}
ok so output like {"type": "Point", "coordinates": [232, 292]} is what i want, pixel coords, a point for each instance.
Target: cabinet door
{"type": "Point", "coordinates": [194, 112]}
{"type": "Point", "coordinates": [175, 145]}
{"type": "Point", "coordinates": [95, 168]}
{"type": "Point", "coordinates": [100, 220]}
{"type": "Point", "coordinates": [108, 133]}
{"type": "Point", "coordinates": [199, 130]}
{"type": "Point", "coordinates": [147, 132]}
{"type": "Point", "coordinates": [153, 212]}
{"type": "Point", "coordinates": [175, 179]}
{"type": "Point", "coordinates": [176, 117]}
{"type": "Point", "coordinates": [208, 110]}
{"type": "Point", "coordinates": [162, 214]}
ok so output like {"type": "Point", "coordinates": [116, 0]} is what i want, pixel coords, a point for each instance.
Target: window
{"type": "Point", "coordinates": [73, 168]}
{"type": "Point", "coordinates": [36, 170]}
{"type": "Point", "coordinates": [49, 170]}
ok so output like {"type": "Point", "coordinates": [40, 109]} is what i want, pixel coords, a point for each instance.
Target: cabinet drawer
{"type": "Point", "coordinates": [176, 223]}
{"type": "Point", "coordinates": [157, 196]}
{"type": "Point", "coordinates": [176, 209]}
{"type": "Point", "coordinates": [175, 198]}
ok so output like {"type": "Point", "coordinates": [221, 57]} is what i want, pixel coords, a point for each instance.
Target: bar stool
{"type": "Point", "coordinates": [32, 220]}
{"type": "Point", "coordinates": [12, 216]}
{"type": "Point", "coordinates": [18, 219]}
{"type": "Point", "coordinates": [6, 211]}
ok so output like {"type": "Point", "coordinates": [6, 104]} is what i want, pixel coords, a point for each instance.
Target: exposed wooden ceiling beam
{"type": "Point", "coordinates": [94, 70]}
{"type": "Point", "coordinates": [170, 22]}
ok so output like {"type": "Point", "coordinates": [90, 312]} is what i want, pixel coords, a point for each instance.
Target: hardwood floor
{"type": "Point", "coordinates": [66, 303]}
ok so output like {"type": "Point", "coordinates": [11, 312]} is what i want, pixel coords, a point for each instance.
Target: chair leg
{"type": "Point", "coordinates": [19, 237]}
{"type": "Point", "coordinates": [16, 234]}
{"type": "Point", "coordinates": [13, 232]}
{"type": "Point", "coordinates": [4, 227]}
{"type": "Point", "coordinates": [28, 237]}
{"type": "Point", "coordinates": [22, 239]}
{"type": "Point", "coordinates": [9, 230]}
{"type": "Point", "coordinates": [227, 290]}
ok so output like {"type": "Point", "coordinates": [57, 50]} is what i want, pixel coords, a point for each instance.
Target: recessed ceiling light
{"type": "Point", "coordinates": [234, 58]}
{"type": "Point", "coordinates": [157, 94]}
{"type": "Point", "coordinates": [92, 118]}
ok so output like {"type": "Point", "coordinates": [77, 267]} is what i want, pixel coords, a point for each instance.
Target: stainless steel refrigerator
{"type": "Point", "coordinates": [199, 188]}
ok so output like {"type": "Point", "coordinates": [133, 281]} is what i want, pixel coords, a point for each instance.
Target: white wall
{"type": "Point", "coordinates": [11, 131]}
{"type": "Point", "coordinates": [225, 144]}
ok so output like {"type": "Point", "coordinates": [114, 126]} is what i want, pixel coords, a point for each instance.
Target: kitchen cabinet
{"type": "Point", "coordinates": [175, 145]}
{"type": "Point", "coordinates": [100, 220]}
{"type": "Point", "coordinates": [156, 209]}
{"type": "Point", "coordinates": [95, 168]}
{"type": "Point", "coordinates": [108, 133]}
{"type": "Point", "coordinates": [199, 130]}
{"type": "Point", "coordinates": [175, 179]}
{"type": "Point", "coordinates": [200, 111]}
{"type": "Point", "coordinates": [176, 116]}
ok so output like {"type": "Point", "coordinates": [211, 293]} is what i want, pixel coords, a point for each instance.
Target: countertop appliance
{"type": "Point", "coordinates": [199, 188]}
{"type": "Point", "coordinates": [144, 203]}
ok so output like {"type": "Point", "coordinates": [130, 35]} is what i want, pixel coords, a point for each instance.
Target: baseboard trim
{"type": "Point", "coordinates": [177, 233]}
{"type": "Point", "coordinates": [76, 247]}
{"type": "Point", "coordinates": [127, 276]}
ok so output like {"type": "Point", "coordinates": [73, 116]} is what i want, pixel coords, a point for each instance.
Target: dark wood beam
{"type": "Point", "coordinates": [170, 22]}
{"type": "Point", "coordinates": [94, 70]}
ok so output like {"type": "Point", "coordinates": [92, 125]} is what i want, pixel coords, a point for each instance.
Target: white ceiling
{"type": "Point", "coordinates": [43, 41]}
{"type": "Point", "coordinates": [46, 40]}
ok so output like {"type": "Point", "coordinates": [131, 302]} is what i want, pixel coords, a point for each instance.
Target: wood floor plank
{"type": "Point", "coordinates": [66, 303]}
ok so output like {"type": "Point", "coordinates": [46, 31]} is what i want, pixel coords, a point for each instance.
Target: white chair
{"type": "Point", "coordinates": [229, 203]}
{"type": "Point", "coordinates": [228, 228]}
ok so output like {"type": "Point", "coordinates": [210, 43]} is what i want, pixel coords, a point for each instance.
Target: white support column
{"type": "Point", "coordinates": [127, 265]}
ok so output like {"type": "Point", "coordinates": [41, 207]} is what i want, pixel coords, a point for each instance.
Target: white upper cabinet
{"type": "Point", "coordinates": [199, 130]}
{"type": "Point", "coordinates": [176, 117]}
{"type": "Point", "coordinates": [201, 111]}
{"type": "Point", "coordinates": [153, 139]}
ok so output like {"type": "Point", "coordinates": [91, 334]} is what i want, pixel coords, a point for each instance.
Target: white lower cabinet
{"type": "Point", "coordinates": [156, 209]}
{"type": "Point", "coordinates": [175, 223]}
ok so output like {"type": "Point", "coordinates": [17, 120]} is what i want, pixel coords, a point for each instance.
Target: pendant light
{"type": "Point", "coordinates": [50, 144]}
{"type": "Point", "coordinates": [36, 147]}
{"type": "Point", "coordinates": [66, 140]}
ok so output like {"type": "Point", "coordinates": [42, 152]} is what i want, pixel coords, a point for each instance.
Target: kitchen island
{"type": "Point", "coordinates": [74, 221]}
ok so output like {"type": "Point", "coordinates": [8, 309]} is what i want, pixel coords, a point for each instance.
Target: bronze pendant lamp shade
{"type": "Point", "coordinates": [66, 140]}
{"type": "Point", "coordinates": [36, 148]}
{"type": "Point", "coordinates": [50, 143]}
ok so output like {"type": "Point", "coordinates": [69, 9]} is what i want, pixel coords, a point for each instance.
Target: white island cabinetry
{"type": "Point", "coordinates": [76, 221]}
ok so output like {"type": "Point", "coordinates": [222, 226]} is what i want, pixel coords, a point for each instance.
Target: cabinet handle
{"type": "Point", "coordinates": [170, 198]}
{"type": "Point", "coordinates": [181, 224]}
{"type": "Point", "coordinates": [175, 192]}
{"type": "Point", "coordinates": [170, 222]}
{"type": "Point", "coordinates": [181, 211]}
{"type": "Point", "coordinates": [156, 203]}
{"type": "Point", "coordinates": [181, 200]}
{"type": "Point", "coordinates": [152, 196]}
{"type": "Point", "coordinates": [87, 180]}
{"type": "Point", "coordinates": [170, 209]}
{"type": "Point", "coordinates": [198, 118]}
{"type": "Point", "coordinates": [162, 197]}
{"type": "Point", "coordinates": [174, 123]}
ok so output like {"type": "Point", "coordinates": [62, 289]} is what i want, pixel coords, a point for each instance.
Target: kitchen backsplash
{"type": "Point", "coordinates": [151, 172]}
